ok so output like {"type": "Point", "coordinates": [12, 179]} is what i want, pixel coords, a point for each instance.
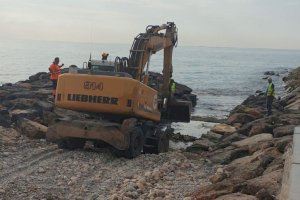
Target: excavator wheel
{"type": "Point", "coordinates": [71, 143]}
{"type": "Point", "coordinates": [157, 143]}
{"type": "Point", "coordinates": [135, 146]}
{"type": "Point", "coordinates": [163, 143]}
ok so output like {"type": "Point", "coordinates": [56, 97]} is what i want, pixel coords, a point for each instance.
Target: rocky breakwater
{"type": "Point", "coordinates": [248, 152]}
{"type": "Point", "coordinates": [28, 106]}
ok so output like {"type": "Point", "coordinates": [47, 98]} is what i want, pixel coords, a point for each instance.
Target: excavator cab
{"type": "Point", "coordinates": [102, 65]}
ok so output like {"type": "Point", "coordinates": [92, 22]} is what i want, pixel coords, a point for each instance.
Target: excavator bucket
{"type": "Point", "coordinates": [179, 111]}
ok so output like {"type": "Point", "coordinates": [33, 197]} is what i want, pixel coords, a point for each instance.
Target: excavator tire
{"type": "Point", "coordinates": [163, 143]}
{"type": "Point", "coordinates": [157, 144]}
{"type": "Point", "coordinates": [135, 146]}
{"type": "Point", "coordinates": [71, 143]}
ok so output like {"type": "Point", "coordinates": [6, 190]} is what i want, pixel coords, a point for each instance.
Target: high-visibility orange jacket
{"type": "Point", "coordinates": [54, 71]}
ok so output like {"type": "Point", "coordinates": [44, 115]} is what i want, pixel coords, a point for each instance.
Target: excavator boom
{"type": "Point", "coordinates": [148, 43]}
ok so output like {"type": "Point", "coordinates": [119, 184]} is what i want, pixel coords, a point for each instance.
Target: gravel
{"type": "Point", "coordinates": [35, 169]}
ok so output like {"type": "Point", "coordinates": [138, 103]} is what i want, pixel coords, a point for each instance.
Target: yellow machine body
{"type": "Point", "coordinates": [107, 94]}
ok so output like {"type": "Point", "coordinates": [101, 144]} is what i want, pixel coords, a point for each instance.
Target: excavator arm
{"type": "Point", "coordinates": [157, 38]}
{"type": "Point", "coordinates": [148, 43]}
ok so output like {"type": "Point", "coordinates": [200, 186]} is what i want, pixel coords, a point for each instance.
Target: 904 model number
{"type": "Point", "coordinates": [88, 85]}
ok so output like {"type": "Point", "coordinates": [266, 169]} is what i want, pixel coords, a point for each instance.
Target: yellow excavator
{"type": "Point", "coordinates": [132, 110]}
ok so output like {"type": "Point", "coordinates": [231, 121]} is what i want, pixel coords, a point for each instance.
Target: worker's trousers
{"type": "Point", "coordinates": [269, 104]}
{"type": "Point", "coordinates": [54, 85]}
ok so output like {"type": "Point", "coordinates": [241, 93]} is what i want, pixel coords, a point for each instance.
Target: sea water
{"type": "Point", "coordinates": [221, 77]}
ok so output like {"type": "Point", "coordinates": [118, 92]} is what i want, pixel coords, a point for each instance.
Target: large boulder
{"type": "Point", "coordinates": [44, 106]}
{"type": "Point", "coordinates": [223, 129]}
{"type": "Point", "coordinates": [20, 94]}
{"type": "Point", "coordinates": [259, 128]}
{"type": "Point", "coordinates": [249, 167]}
{"type": "Point", "coordinates": [255, 101]}
{"type": "Point", "coordinates": [220, 175]}
{"type": "Point", "coordinates": [260, 146]}
{"type": "Point", "coordinates": [254, 140]}
{"type": "Point", "coordinates": [228, 139]}
{"type": "Point", "coordinates": [226, 155]}
{"type": "Point", "coordinates": [183, 138]}
{"type": "Point", "coordinates": [288, 98]}
{"type": "Point", "coordinates": [43, 93]}
{"type": "Point", "coordinates": [213, 191]}
{"type": "Point", "coordinates": [49, 118]}
{"type": "Point", "coordinates": [21, 103]}
{"type": "Point", "coordinates": [246, 128]}
{"type": "Point", "coordinates": [212, 136]}
{"type": "Point", "coordinates": [265, 186]}
{"type": "Point", "coordinates": [237, 196]}
{"type": "Point", "coordinates": [31, 129]}
{"type": "Point", "coordinates": [276, 164]}
{"type": "Point", "coordinates": [241, 118]}
{"type": "Point", "coordinates": [282, 142]}
{"type": "Point", "coordinates": [38, 76]}
{"type": "Point", "coordinates": [283, 131]}
{"type": "Point", "coordinates": [294, 106]}
{"type": "Point", "coordinates": [291, 100]}
{"type": "Point", "coordinates": [208, 119]}
{"type": "Point", "coordinates": [70, 114]}
{"type": "Point", "coordinates": [3, 93]}
{"type": "Point", "coordinates": [5, 120]}
{"type": "Point", "coordinates": [293, 80]}
{"type": "Point", "coordinates": [24, 85]}
{"type": "Point", "coordinates": [256, 112]}
{"type": "Point", "coordinates": [202, 144]}
{"type": "Point", "coordinates": [233, 137]}
{"type": "Point", "coordinates": [288, 119]}
{"type": "Point", "coordinates": [8, 136]}
{"type": "Point", "coordinates": [18, 114]}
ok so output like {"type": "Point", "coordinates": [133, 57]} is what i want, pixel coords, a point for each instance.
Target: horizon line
{"type": "Point", "coordinates": [184, 45]}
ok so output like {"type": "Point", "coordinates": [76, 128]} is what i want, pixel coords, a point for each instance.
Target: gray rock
{"type": "Point", "coordinates": [31, 129]}
{"type": "Point", "coordinates": [19, 114]}
{"type": "Point", "coordinates": [5, 119]}
{"type": "Point", "coordinates": [282, 142]}
{"type": "Point", "coordinates": [259, 128]}
{"type": "Point", "coordinates": [269, 73]}
{"type": "Point", "coordinates": [253, 140]}
{"type": "Point", "coordinates": [38, 76]}
{"type": "Point", "coordinates": [283, 131]}
{"type": "Point", "coordinates": [233, 137]}
{"type": "Point", "coordinates": [226, 155]}
{"type": "Point", "coordinates": [236, 196]}
{"type": "Point", "coordinates": [44, 106]}
{"type": "Point", "coordinates": [270, 183]}
{"type": "Point", "coordinates": [201, 145]}
{"type": "Point", "coordinates": [223, 129]}
{"type": "Point", "coordinates": [212, 136]}
{"type": "Point", "coordinates": [242, 118]}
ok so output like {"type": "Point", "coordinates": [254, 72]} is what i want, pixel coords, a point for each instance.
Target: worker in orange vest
{"type": "Point", "coordinates": [55, 71]}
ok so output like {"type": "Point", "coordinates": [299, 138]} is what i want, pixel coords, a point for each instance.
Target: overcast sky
{"type": "Point", "coordinates": [232, 23]}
